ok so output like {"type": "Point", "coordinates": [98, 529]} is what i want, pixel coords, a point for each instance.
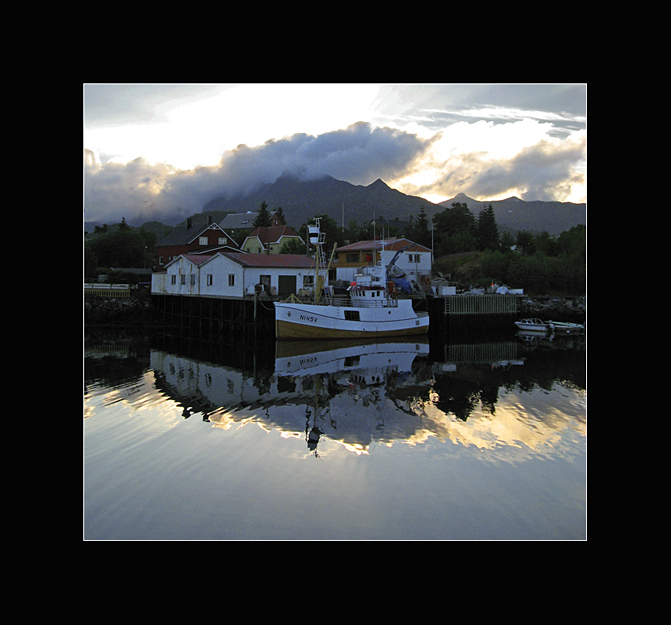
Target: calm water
{"type": "Point", "coordinates": [465, 437]}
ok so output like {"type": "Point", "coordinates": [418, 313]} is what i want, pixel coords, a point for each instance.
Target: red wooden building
{"type": "Point", "coordinates": [194, 237]}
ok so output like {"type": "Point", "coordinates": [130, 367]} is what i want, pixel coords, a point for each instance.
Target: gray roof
{"type": "Point", "coordinates": [238, 221]}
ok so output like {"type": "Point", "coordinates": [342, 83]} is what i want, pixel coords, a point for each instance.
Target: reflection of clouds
{"type": "Point", "coordinates": [526, 421]}
{"type": "Point", "coordinates": [350, 411]}
{"type": "Point", "coordinates": [137, 396]}
{"type": "Point", "coordinates": [526, 424]}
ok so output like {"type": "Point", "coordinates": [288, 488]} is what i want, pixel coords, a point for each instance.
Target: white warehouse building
{"type": "Point", "coordinates": [231, 275]}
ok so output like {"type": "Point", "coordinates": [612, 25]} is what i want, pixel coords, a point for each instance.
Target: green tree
{"type": "Point", "coordinates": [459, 218]}
{"type": "Point", "coordinates": [419, 229]}
{"type": "Point", "coordinates": [123, 247]}
{"type": "Point", "coordinates": [546, 243]}
{"type": "Point", "coordinates": [573, 241]}
{"type": "Point", "coordinates": [506, 241]}
{"type": "Point", "coordinates": [526, 243]}
{"type": "Point", "coordinates": [454, 229]}
{"type": "Point", "coordinates": [487, 230]}
{"type": "Point", "coordinates": [293, 246]}
{"type": "Point", "coordinates": [530, 272]}
{"type": "Point", "coordinates": [495, 265]}
{"type": "Point", "coordinates": [262, 219]}
{"type": "Point", "coordinates": [90, 261]}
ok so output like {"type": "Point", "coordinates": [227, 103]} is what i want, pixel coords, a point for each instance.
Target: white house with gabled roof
{"type": "Point", "coordinates": [231, 275]}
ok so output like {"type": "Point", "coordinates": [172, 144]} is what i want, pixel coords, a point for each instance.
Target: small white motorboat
{"type": "Point", "coordinates": [565, 327]}
{"type": "Point", "coordinates": [534, 325]}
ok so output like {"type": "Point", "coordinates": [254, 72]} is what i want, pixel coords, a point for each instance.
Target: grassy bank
{"type": "Point", "coordinates": [537, 274]}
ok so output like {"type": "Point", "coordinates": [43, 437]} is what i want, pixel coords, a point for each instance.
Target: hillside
{"type": "Point", "coordinates": [302, 200]}
{"type": "Point", "coordinates": [514, 214]}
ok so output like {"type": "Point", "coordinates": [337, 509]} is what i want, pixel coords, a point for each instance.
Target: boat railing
{"type": "Point", "coordinates": [344, 301]}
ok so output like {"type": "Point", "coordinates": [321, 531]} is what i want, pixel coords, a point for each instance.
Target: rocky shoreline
{"type": "Point", "coordinates": [131, 311]}
{"type": "Point", "coordinates": [555, 307]}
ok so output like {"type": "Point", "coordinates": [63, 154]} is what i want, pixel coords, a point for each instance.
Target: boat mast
{"type": "Point", "coordinates": [318, 239]}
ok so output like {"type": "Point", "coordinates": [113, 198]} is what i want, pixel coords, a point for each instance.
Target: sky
{"type": "Point", "coordinates": [157, 151]}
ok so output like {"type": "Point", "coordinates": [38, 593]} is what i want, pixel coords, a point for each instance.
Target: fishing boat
{"type": "Point", "coordinates": [370, 308]}
{"type": "Point", "coordinates": [534, 325]}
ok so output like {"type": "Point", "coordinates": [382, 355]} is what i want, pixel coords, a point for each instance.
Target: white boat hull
{"type": "Point", "coordinates": [533, 325]}
{"type": "Point", "coordinates": [312, 321]}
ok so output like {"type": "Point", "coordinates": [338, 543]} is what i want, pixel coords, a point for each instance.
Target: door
{"type": "Point", "coordinates": [287, 285]}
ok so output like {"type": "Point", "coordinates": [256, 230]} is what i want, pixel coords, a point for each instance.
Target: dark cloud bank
{"type": "Point", "coordinates": [141, 191]}
{"type": "Point", "coordinates": [358, 154]}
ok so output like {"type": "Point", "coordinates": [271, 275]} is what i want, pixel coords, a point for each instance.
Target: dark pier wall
{"type": "Point", "coordinates": [220, 319]}
{"type": "Point", "coordinates": [216, 319]}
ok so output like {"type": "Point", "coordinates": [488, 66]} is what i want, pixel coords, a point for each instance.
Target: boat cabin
{"type": "Point", "coordinates": [369, 288]}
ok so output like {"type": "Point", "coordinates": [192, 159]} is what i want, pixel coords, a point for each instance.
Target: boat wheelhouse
{"type": "Point", "coordinates": [370, 309]}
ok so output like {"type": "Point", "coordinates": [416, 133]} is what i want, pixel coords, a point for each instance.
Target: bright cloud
{"type": "Point", "coordinates": [494, 161]}
{"type": "Point", "coordinates": [142, 190]}
{"type": "Point", "coordinates": [153, 150]}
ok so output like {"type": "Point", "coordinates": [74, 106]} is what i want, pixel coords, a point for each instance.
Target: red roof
{"type": "Point", "coordinates": [197, 259]}
{"type": "Point", "coordinates": [388, 244]}
{"type": "Point", "coordinates": [270, 260]}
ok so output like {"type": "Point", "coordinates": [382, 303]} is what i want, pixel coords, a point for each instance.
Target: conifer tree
{"type": "Point", "coordinates": [487, 230]}
{"type": "Point", "coordinates": [262, 219]}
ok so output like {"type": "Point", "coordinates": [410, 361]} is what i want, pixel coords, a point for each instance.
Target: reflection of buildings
{"type": "Point", "coordinates": [357, 395]}
{"type": "Point", "coordinates": [341, 393]}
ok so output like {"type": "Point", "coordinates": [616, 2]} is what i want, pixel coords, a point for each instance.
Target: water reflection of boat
{"type": "Point", "coordinates": [300, 358]}
{"type": "Point", "coordinates": [357, 394]}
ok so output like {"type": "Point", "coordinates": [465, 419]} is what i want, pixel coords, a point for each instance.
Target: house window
{"type": "Point", "coordinates": [209, 279]}
{"type": "Point", "coordinates": [182, 279]}
{"type": "Point", "coordinates": [223, 240]}
{"type": "Point", "coordinates": [160, 260]}
{"type": "Point", "coordinates": [414, 258]}
{"type": "Point", "coordinates": [193, 279]}
{"type": "Point", "coordinates": [231, 279]}
{"type": "Point", "coordinates": [173, 279]}
{"type": "Point", "coordinates": [353, 258]}
{"type": "Point", "coordinates": [202, 240]}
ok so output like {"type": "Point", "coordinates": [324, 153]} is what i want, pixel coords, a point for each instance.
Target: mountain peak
{"type": "Point", "coordinates": [462, 197]}
{"type": "Point", "coordinates": [459, 197]}
{"type": "Point", "coordinates": [378, 184]}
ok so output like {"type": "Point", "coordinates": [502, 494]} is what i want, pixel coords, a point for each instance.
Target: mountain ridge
{"type": "Point", "coordinates": [514, 214]}
{"type": "Point", "coordinates": [303, 199]}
